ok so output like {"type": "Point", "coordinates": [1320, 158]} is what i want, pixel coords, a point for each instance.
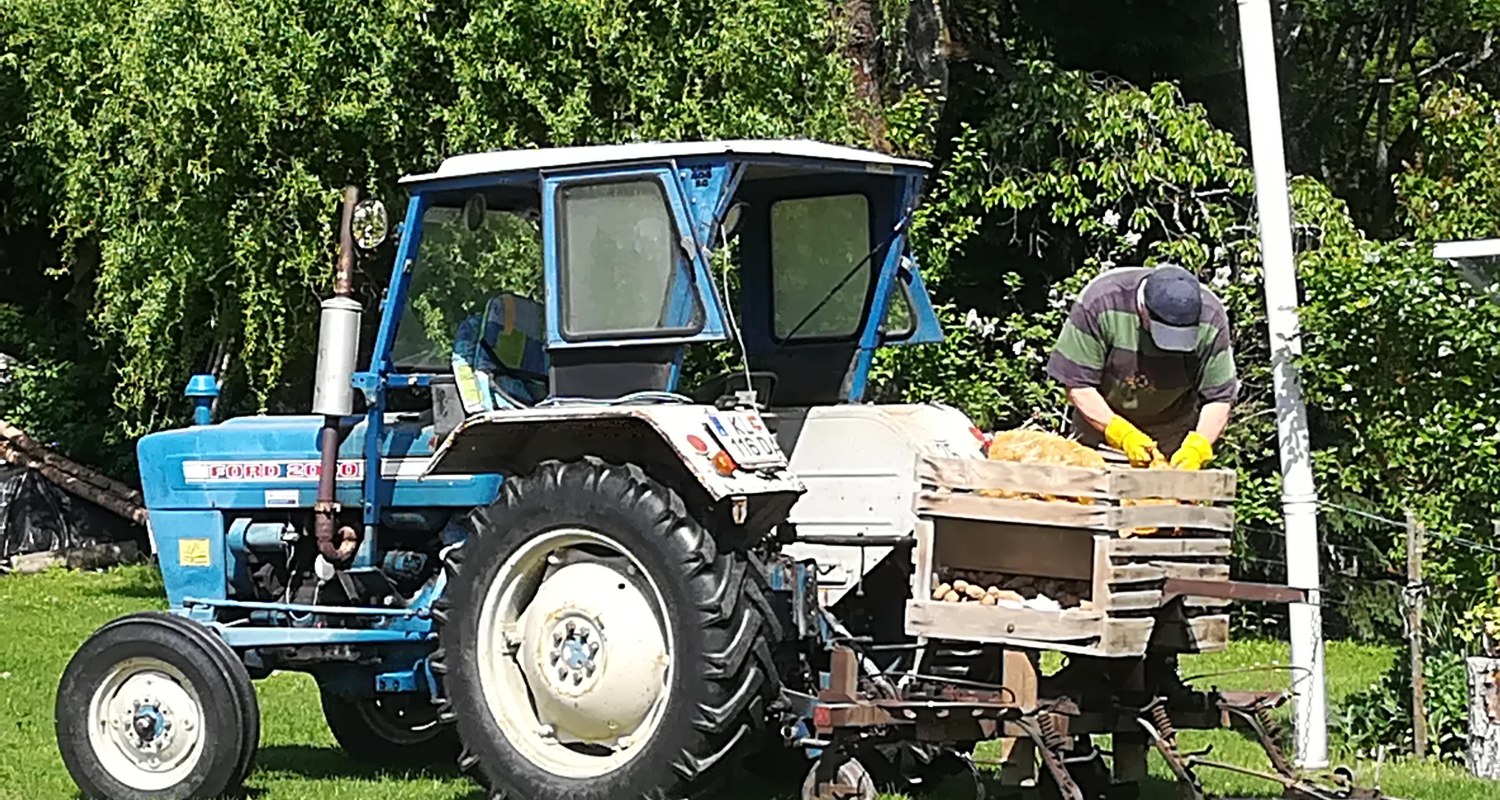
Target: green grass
{"type": "Point", "coordinates": [44, 618]}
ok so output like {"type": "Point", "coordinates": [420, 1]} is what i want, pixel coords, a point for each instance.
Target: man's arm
{"type": "Point", "coordinates": [1092, 406]}
{"type": "Point", "coordinates": [1218, 386]}
{"type": "Point", "coordinates": [1212, 419]}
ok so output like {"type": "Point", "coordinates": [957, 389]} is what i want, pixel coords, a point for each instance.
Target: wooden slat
{"type": "Point", "coordinates": [922, 563]}
{"type": "Point", "coordinates": [1192, 601]}
{"type": "Point", "coordinates": [1067, 481]}
{"type": "Point", "coordinates": [1146, 546]}
{"type": "Point", "coordinates": [1212, 518]}
{"type": "Point", "coordinates": [978, 623]}
{"type": "Point", "coordinates": [1073, 515]}
{"type": "Point", "coordinates": [974, 474]}
{"type": "Point", "coordinates": [1212, 485]}
{"type": "Point", "coordinates": [1126, 637]}
{"type": "Point", "coordinates": [1099, 582]}
{"type": "Point", "coordinates": [1206, 634]}
{"type": "Point", "coordinates": [1147, 600]}
{"type": "Point", "coordinates": [1197, 572]}
{"type": "Point", "coordinates": [1133, 573]}
{"type": "Point", "coordinates": [1028, 512]}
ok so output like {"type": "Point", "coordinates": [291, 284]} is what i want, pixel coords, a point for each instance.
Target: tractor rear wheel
{"type": "Point", "coordinates": [596, 642]}
{"type": "Point", "coordinates": [156, 706]}
{"type": "Point", "coordinates": [391, 729]}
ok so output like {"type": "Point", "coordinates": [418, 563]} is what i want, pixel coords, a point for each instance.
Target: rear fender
{"type": "Point", "coordinates": [657, 438]}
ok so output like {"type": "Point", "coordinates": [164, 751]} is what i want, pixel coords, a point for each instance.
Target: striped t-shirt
{"type": "Point", "coordinates": [1104, 345]}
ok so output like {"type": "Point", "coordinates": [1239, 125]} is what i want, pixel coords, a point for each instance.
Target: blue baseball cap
{"type": "Point", "coordinates": [1173, 300]}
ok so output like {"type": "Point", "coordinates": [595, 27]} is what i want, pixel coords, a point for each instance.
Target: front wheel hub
{"type": "Point", "coordinates": [593, 653]}
{"type": "Point", "coordinates": [146, 724]}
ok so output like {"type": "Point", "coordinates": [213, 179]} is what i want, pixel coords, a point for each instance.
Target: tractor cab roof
{"type": "Point", "coordinates": [610, 246]}
{"type": "Point", "coordinates": [792, 155]}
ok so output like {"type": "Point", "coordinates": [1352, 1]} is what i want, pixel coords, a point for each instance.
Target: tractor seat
{"type": "Point", "coordinates": [500, 356]}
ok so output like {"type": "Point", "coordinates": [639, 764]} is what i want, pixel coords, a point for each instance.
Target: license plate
{"type": "Point", "coordinates": [744, 435]}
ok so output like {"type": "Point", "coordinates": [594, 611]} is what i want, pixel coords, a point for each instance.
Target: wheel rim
{"type": "Point", "coordinates": [395, 719]}
{"type": "Point", "coordinates": [574, 657]}
{"type": "Point", "coordinates": [146, 724]}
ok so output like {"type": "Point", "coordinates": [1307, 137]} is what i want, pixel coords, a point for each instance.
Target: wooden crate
{"type": "Point", "coordinates": [1090, 544]}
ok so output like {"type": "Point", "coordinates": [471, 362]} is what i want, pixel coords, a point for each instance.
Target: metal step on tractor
{"type": "Point", "coordinates": [517, 533]}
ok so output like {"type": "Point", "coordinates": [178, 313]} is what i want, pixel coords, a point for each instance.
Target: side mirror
{"type": "Point", "coordinates": [474, 211]}
{"type": "Point", "coordinates": [732, 219]}
{"type": "Point", "coordinates": [370, 224]}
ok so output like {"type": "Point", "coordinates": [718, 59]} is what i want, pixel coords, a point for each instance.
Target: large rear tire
{"type": "Point", "coordinates": [598, 645]}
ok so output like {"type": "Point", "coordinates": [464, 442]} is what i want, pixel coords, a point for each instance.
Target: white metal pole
{"type": "Point", "coordinates": [1299, 501]}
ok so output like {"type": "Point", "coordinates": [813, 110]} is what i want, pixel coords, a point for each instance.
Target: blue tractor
{"type": "Point", "coordinates": [510, 533]}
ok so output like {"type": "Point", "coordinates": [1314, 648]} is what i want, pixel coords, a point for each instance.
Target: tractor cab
{"type": "Point", "coordinates": [667, 300]}
{"type": "Point", "coordinates": [588, 274]}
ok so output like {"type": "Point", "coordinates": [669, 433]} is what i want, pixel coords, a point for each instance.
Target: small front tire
{"type": "Point", "coordinates": [151, 707]}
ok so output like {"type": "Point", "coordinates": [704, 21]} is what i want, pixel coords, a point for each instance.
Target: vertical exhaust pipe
{"type": "Point", "coordinates": [333, 391]}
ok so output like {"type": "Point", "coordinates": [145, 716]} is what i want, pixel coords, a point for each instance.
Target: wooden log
{"type": "Point", "coordinates": [20, 441]}
{"type": "Point", "coordinates": [1059, 480]}
{"type": "Point", "coordinates": [131, 511]}
{"type": "Point", "coordinates": [1484, 717]}
{"type": "Point", "coordinates": [1415, 540]}
{"type": "Point", "coordinates": [97, 556]}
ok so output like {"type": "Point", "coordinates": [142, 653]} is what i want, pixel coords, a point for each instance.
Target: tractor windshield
{"type": "Point", "coordinates": [468, 257]}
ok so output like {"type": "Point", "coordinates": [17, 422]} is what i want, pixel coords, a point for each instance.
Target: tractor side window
{"type": "Point", "coordinates": [622, 271]}
{"type": "Point", "coordinates": [464, 260]}
{"type": "Point", "coordinates": [818, 282]}
{"type": "Point", "coordinates": [900, 322]}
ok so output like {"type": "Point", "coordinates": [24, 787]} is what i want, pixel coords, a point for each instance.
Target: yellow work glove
{"type": "Point", "coordinates": [1128, 439]}
{"type": "Point", "coordinates": [1194, 453]}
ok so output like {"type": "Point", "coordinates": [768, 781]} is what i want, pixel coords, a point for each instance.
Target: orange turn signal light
{"type": "Point", "coordinates": [724, 463]}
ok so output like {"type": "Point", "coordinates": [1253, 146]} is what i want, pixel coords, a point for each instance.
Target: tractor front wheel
{"type": "Point", "coordinates": [597, 644]}
{"type": "Point", "coordinates": [156, 706]}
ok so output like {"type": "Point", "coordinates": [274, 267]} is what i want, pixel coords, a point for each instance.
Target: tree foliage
{"type": "Point", "coordinates": [188, 156]}
{"type": "Point", "coordinates": [168, 188]}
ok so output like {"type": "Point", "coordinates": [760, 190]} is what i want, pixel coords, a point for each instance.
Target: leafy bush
{"type": "Point", "coordinates": [1381, 716]}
